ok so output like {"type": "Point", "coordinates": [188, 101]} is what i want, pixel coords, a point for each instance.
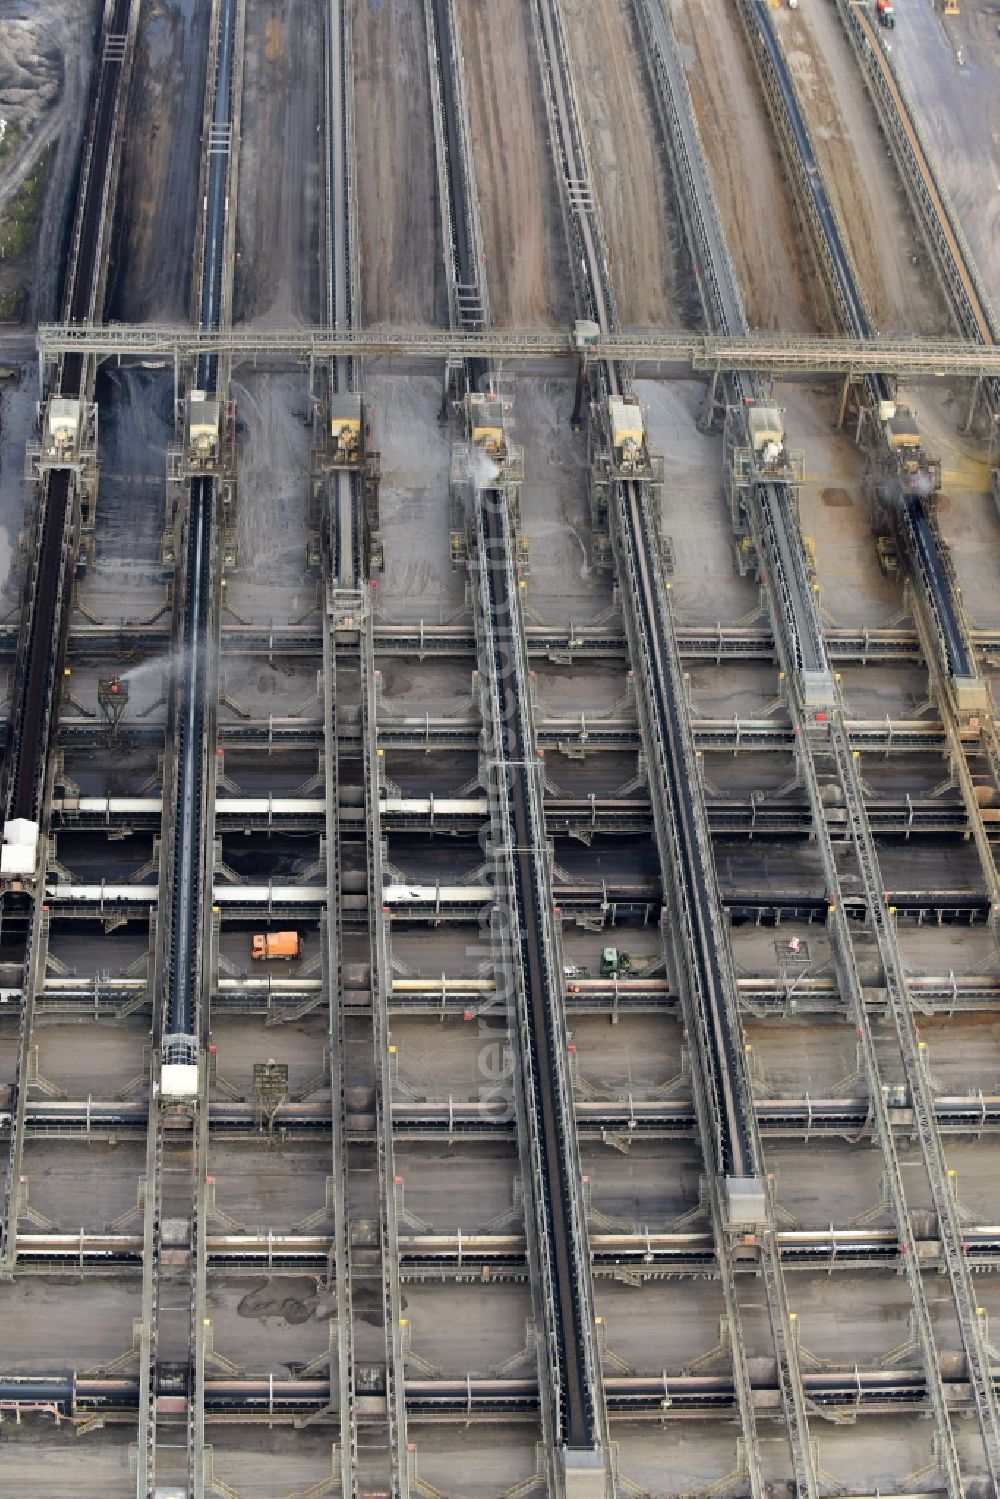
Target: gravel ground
{"type": "Point", "coordinates": [126, 581]}
{"type": "Point", "coordinates": [161, 163]}
{"type": "Point", "coordinates": [833, 511]}
{"type": "Point", "coordinates": [522, 226]}
{"type": "Point", "coordinates": [277, 239]}
{"type": "Point", "coordinates": [960, 113]}
{"type": "Point", "coordinates": [706, 587]}
{"type": "Point", "coordinates": [418, 582]}
{"type": "Point", "coordinates": [46, 61]}
{"type": "Point", "coordinates": [271, 582]}
{"type": "Point", "coordinates": [887, 248]}
{"type": "Point", "coordinates": [17, 422]}
{"type": "Point", "coordinates": [780, 286]}
{"type": "Point", "coordinates": [629, 171]}
{"type": "Point", "coordinates": [402, 273]}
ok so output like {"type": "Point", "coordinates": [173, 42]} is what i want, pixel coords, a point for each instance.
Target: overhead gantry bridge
{"type": "Point", "coordinates": [682, 352]}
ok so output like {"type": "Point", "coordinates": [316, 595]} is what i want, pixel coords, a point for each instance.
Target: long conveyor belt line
{"type": "Point", "coordinates": [902, 128]}
{"type": "Point", "coordinates": [468, 292]}
{"type": "Point", "coordinates": [684, 349]}
{"type": "Point", "coordinates": [380, 969]}
{"type": "Point", "coordinates": [433, 1256]}
{"type": "Point", "coordinates": [347, 555]}
{"type": "Point", "coordinates": [45, 615]}
{"type": "Point", "coordinates": [339, 375]}
{"type": "Point", "coordinates": [83, 296]}
{"type": "Point", "coordinates": [839, 1395]}
{"type": "Point", "coordinates": [175, 1292]}
{"type": "Point", "coordinates": [559, 1233]}
{"type": "Point", "coordinates": [958, 658]}
{"type": "Point", "coordinates": [848, 777]}
{"type": "Point", "coordinates": [829, 241]}
{"type": "Point", "coordinates": [561, 643]}
{"type": "Point", "coordinates": [348, 658]}
{"type": "Point", "coordinates": [922, 1103]}
{"type": "Point", "coordinates": [189, 853]}
{"type": "Point", "coordinates": [969, 298]}
{"type": "Point", "coordinates": [573, 1418]}
{"type": "Point", "coordinates": [728, 1134]}
{"type": "Point", "coordinates": [801, 1119]}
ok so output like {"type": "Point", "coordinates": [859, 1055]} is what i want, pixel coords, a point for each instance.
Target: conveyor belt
{"type": "Point", "coordinates": [35, 691]}
{"type": "Point", "coordinates": [546, 1065]}
{"type": "Point", "coordinates": [977, 312]}
{"type": "Point", "coordinates": [843, 1393]}
{"type": "Point", "coordinates": [854, 315]}
{"type": "Point", "coordinates": [188, 851]}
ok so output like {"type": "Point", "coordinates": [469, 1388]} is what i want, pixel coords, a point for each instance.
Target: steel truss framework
{"type": "Point", "coordinates": [785, 353]}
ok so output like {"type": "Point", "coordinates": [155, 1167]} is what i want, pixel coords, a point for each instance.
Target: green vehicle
{"type": "Point", "coordinates": [614, 962]}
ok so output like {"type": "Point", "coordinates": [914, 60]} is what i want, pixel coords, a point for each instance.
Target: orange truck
{"type": "Point", "coordinates": [886, 14]}
{"type": "Point", "coordinates": [267, 946]}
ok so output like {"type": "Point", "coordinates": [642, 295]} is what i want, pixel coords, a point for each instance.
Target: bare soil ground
{"type": "Point", "coordinates": [959, 108]}
{"type": "Point", "coordinates": [522, 227]}
{"type": "Point", "coordinates": [277, 239]}
{"type": "Point", "coordinates": [46, 62]}
{"type": "Point", "coordinates": [629, 170]}
{"type": "Point", "coordinates": [781, 289]}
{"type": "Point", "coordinates": [886, 245]}
{"type": "Point", "coordinates": [402, 276]}
{"type": "Point", "coordinates": [160, 164]}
